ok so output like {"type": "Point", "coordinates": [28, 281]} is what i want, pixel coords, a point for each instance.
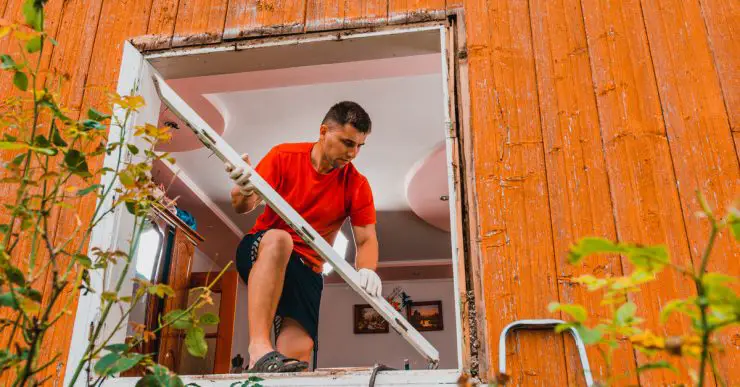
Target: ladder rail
{"type": "Point", "coordinates": [226, 153]}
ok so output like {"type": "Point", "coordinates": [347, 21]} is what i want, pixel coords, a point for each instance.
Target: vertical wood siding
{"type": "Point", "coordinates": [588, 117]}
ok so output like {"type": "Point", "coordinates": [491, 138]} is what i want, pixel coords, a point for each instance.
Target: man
{"type": "Point", "coordinates": [283, 273]}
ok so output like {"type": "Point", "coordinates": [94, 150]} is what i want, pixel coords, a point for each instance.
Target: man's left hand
{"type": "Point", "coordinates": [370, 281]}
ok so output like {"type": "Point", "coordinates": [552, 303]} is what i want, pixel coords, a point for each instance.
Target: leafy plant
{"type": "Point", "coordinates": [716, 306]}
{"type": "Point", "coordinates": [53, 156]}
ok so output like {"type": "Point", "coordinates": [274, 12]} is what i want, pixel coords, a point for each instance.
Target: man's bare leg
{"type": "Point", "coordinates": [294, 341]}
{"type": "Point", "coordinates": [264, 289]}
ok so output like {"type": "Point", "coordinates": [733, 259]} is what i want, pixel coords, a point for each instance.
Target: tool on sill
{"type": "Point", "coordinates": [542, 324]}
{"type": "Point", "coordinates": [226, 153]}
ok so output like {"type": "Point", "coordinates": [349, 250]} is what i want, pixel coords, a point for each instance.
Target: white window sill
{"type": "Point", "coordinates": [322, 377]}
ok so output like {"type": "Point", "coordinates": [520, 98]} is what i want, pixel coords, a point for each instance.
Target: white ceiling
{"type": "Point", "coordinates": [408, 122]}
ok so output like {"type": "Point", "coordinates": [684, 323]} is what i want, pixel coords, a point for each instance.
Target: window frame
{"type": "Point", "coordinates": [465, 255]}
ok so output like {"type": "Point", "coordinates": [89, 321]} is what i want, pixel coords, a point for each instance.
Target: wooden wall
{"type": "Point", "coordinates": [588, 117]}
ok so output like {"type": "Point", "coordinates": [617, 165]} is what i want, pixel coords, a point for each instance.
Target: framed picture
{"type": "Point", "coordinates": [425, 315]}
{"type": "Point", "coordinates": [368, 320]}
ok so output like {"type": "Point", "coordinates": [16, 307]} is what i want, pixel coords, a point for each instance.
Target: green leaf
{"type": "Point", "coordinates": [658, 365]}
{"type": "Point", "coordinates": [109, 296]}
{"type": "Point", "coordinates": [625, 313]}
{"type": "Point", "coordinates": [56, 137]}
{"type": "Point", "coordinates": [589, 246]}
{"type": "Point", "coordinates": [133, 149]}
{"type": "Point", "coordinates": [6, 299]}
{"type": "Point", "coordinates": [96, 115]}
{"type": "Point", "coordinates": [592, 283]}
{"type": "Point", "coordinates": [648, 258]}
{"type": "Point", "coordinates": [20, 80]}
{"type": "Point", "coordinates": [160, 376]}
{"type": "Point", "coordinates": [89, 189]}
{"type": "Point", "coordinates": [27, 305]}
{"type": "Point", "coordinates": [209, 319]}
{"type": "Point", "coordinates": [126, 179]}
{"type": "Point", "coordinates": [195, 341]}
{"type": "Point", "coordinates": [41, 141]}
{"type": "Point", "coordinates": [106, 362]}
{"type": "Point", "coordinates": [76, 163]}
{"type": "Point", "coordinates": [83, 260]}
{"type": "Point", "coordinates": [31, 293]}
{"type": "Point", "coordinates": [735, 224]}
{"type": "Point", "coordinates": [563, 327]}
{"type": "Point", "coordinates": [161, 290]}
{"type": "Point", "coordinates": [34, 45]}
{"type": "Point", "coordinates": [577, 312]}
{"type": "Point", "coordinates": [44, 151]}
{"type": "Point", "coordinates": [33, 10]}
{"type": "Point", "coordinates": [717, 279]}
{"type": "Point", "coordinates": [117, 348]}
{"type": "Point", "coordinates": [92, 124]}
{"type": "Point", "coordinates": [15, 275]}
{"type": "Point", "coordinates": [6, 62]}
{"type": "Point", "coordinates": [131, 207]}
{"type": "Point", "coordinates": [589, 336]}
{"type": "Point", "coordinates": [126, 363]}
{"type": "Point", "coordinates": [17, 160]}
{"type": "Point", "coordinates": [4, 228]}
{"type": "Point", "coordinates": [5, 145]}
{"type": "Point", "coordinates": [178, 319]}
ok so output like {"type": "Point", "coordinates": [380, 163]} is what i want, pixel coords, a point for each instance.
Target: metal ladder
{"type": "Point", "coordinates": [539, 324]}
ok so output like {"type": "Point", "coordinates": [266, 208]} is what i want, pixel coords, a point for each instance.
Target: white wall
{"type": "Point", "coordinates": [339, 346]}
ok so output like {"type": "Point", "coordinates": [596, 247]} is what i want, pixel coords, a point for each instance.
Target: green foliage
{"type": "Point", "coordinates": [715, 307]}
{"type": "Point", "coordinates": [53, 156]}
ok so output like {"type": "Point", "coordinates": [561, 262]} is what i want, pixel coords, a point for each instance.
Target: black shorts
{"type": "Point", "coordinates": [301, 296]}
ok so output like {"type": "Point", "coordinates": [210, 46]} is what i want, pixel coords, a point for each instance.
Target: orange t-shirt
{"type": "Point", "coordinates": [323, 200]}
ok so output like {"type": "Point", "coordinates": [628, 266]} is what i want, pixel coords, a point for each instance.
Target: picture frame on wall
{"type": "Point", "coordinates": [425, 315]}
{"type": "Point", "coordinates": [368, 320]}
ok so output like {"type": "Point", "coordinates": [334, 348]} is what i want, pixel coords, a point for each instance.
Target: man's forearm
{"type": "Point", "coordinates": [367, 255]}
{"type": "Point", "coordinates": [242, 203]}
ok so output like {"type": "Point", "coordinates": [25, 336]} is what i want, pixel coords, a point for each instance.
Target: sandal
{"type": "Point", "coordinates": [277, 362]}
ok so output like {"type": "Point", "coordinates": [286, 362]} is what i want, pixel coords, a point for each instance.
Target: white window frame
{"type": "Point", "coordinates": [136, 74]}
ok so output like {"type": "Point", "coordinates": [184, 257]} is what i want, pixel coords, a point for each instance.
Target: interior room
{"type": "Point", "coordinates": [279, 94]}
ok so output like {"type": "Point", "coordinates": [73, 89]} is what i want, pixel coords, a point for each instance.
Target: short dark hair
{"type": "Point", "coordinates": [348, 112]}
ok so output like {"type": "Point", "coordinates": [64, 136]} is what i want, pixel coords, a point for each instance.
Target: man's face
{"type": "Point", "coordinates": [341, 143]}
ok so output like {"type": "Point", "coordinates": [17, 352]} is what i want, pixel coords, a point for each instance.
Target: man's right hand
{"type": "Point", "coordinates": [241, 177]}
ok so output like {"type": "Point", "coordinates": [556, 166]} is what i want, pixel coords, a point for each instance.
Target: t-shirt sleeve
{"type": "Point", "coordinates": [269, 167]}
{"type": "Point", "coordinates": [362, 206]}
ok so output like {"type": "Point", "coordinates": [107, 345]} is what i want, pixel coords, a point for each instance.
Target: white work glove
{"type": "Point", "coordinates": [241, 177]}
{"type": "Point", "coordinates": [370, 281]}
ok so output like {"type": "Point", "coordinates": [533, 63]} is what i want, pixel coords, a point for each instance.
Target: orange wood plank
{"type": "Point", "coordinates": [123, 21]}
{"type": "Point", "coordinates": [76, 40]}
{"type": "Point", "coordinates": [161, 25]}
{"type": "Point", "coordinates": [199, 22]}
{"type": "Point", "coordinates": [578, 185]}
{"type": "Point", "coordinates": [722, 20]}
{"type": "Point", "coordinates": [358, 13]}
{"type": "Point", "coordinates": [453, 4]}
{"type": "Point", "coordinates": [324, 14]}
{"type": "Point", "coordinates": [638, 157]}
{"type": "Point", "coordinates": [264, 17]}
{"type": "Point", "coordinates": [514, 217]}
{"type": "Point", "coordinates": [12, 9]}
{"type": "Point", "coordinates": [410, 11]}
{"type": "Point", "coordinates": [697, 124]}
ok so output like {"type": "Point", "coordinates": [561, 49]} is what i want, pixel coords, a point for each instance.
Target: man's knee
{"type": "Point", "coordinates": [278, 242]}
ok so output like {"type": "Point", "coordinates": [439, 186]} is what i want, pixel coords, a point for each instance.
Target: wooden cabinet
{"type": "Point", "coordinates": [173, 267]}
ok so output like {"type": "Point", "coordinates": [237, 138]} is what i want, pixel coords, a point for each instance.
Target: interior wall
{"type": "Point", "coordinates": [588, 118]}
{"type": "Point", "coordinates": [339, 346]}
